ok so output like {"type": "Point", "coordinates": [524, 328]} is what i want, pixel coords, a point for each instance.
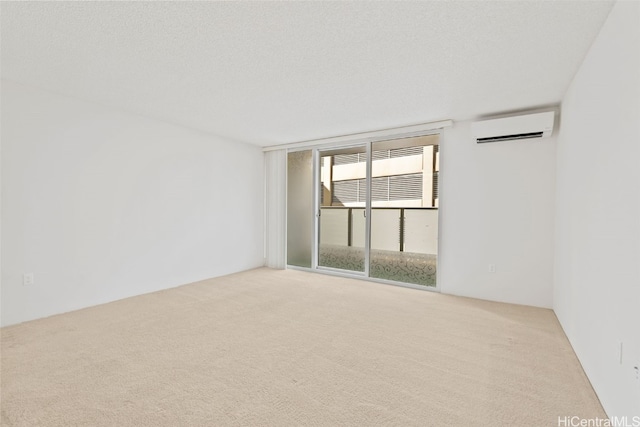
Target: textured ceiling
{"type": "Point", "coordinates": [278, 72]}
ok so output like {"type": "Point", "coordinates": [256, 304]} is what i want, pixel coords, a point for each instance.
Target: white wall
{"type": "Point", "coordinates": [102, 205]}
{"type": "Point", "coordinates": [597, 277]}
{"type": "Point", "coordinates": [497, 207]}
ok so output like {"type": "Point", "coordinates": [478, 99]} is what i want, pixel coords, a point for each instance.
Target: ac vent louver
{"type": "Point", "coordinates": [510, 137]}
{"type": "Point", "coordinates": [529, 126]}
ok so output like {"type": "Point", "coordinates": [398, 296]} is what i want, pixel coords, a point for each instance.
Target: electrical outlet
{"type": "Point", "coordinates": [28, 279]}
{"type": "Point", "coordinates": [492, 268]}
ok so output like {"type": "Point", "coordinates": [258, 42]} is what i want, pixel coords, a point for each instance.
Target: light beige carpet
{"type": "Point", "coordinates": [279, 348]}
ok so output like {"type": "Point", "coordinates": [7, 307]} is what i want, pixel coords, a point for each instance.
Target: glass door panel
{"type": "Point", "coordinates": [299, 208]}
{"type": "Point", "coordinates": [404, 214]}
{"type": "Point", "coordinates": [342, 202]}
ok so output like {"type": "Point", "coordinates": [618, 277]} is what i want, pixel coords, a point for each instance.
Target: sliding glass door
{"type": "Point", "coordinates": [342, 202]}
{"type": "Point", "coordinates": [404, 210]}
{"type": "Point", "coordinates": [374, 209]}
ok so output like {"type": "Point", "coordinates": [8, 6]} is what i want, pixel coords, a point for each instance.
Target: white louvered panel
{"type": "Point", "coordinates": [345, 192]}
{"type": "Point", "coordinates": [407, 151]}
{"type": "Point", "coordinates": [405, 187]}
{"type": "Point", "coordinates": [345, 159]}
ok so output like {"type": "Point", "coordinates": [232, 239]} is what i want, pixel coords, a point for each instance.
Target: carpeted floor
{"type": "Point", "coordinates": [278, 348]}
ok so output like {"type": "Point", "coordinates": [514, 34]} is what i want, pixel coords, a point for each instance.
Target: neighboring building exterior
{"type": "Point", "coordinates": [401, 177]}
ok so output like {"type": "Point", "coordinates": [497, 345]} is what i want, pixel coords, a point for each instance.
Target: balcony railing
{"type": "Point", "coordinates": [410, 229]}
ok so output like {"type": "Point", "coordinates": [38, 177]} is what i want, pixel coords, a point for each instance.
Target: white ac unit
{"type": "Point", "coordinates": [538, 125]}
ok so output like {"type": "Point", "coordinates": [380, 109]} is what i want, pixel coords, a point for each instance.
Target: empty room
{"type": "Point", "coordinates": [320, 213]}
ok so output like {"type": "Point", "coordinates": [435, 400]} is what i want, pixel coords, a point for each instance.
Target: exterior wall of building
{"type": "Point", "coordinates": [425, 164]}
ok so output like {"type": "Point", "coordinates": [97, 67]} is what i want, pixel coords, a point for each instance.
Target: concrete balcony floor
{"type": "Point", "coordinates": [407, 267]}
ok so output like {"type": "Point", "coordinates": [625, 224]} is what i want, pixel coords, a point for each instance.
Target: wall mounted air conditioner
{"type": "Point", "coordinates": [538, 125]}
